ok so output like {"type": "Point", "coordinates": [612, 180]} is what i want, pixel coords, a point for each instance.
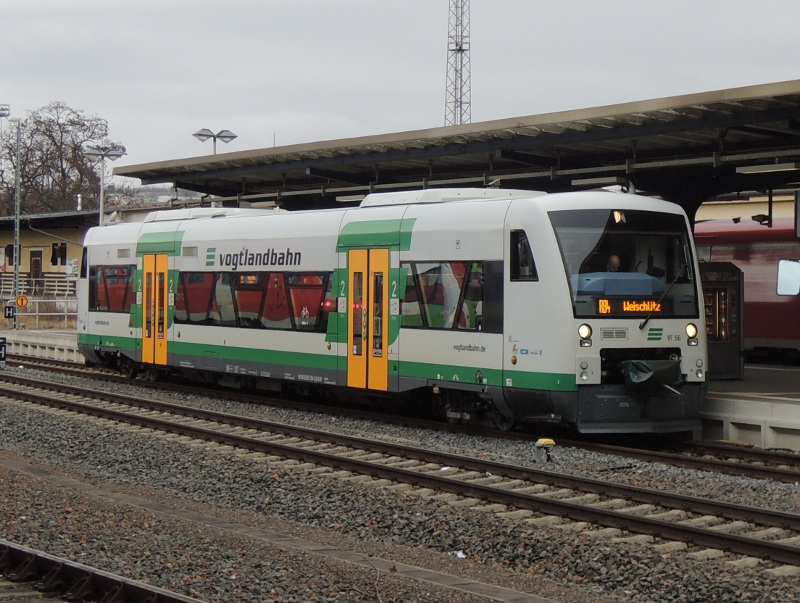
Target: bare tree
{"type": "Point", "coordinates": [52, 155]}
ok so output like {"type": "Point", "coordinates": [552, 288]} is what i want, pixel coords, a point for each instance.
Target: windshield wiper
{"type": "Point", "coordinates": [643, 324]}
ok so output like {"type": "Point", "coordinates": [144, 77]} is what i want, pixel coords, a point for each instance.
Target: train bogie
{"type": "Point", "coordinates": [477, 302]}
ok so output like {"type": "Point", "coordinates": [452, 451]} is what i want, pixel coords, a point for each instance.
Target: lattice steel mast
{"type": "Point", "coordinates": [457, 102]}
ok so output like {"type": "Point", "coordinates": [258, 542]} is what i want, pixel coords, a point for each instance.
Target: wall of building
{"type": "Point", "coordinates": [35, 243]}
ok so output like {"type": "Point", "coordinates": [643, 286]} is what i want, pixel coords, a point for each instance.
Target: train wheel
{"type": "Point", "coordinates": [151, 375]}
{"type": "Point", "coordinates": [128, 370]}
{"type": "Point", "coordinates": [502, 422]}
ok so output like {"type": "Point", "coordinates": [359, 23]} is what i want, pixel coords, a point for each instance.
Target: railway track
{"type": "Point", "coordinates": [31, 575]}
{"type": "Point", "coordinates": [727, 458]}
{"type": "Point", "coordinates": [731, 459]}
{"type": "Point", "coordinates": [513, 491]}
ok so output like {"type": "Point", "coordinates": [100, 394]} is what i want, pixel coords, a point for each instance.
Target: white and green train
{"type": "Point", "coordinates": [482, 304]}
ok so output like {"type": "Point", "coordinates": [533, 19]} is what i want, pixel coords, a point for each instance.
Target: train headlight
{"type": "Point", "coordinates": [691, 333]}
{"type": "Point", "coordinates": [585, 333]}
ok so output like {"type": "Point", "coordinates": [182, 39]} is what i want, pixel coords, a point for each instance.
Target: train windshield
{"type": "Point", "coordinates": [627, 263]}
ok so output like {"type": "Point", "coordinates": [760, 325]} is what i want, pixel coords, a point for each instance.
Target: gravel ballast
{"type": "Point", "coordinates": [203, 561]}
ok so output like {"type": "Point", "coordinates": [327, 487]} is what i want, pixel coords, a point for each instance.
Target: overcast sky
{"type": "Point", "coordinates": [292, 71]}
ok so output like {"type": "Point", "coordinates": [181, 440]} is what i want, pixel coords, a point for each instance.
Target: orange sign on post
{"type": "Point", "coordinates": [22, 301]}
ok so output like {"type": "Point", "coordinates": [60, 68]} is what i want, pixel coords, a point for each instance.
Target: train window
{"type": "Point", "coordinates": [409, 305]}
{"type": "Point", "coordinates": [255, 300]}
{"type": "Point", "coordinates": [358, 313]}
{"type": "Point", "coordinates": [377, 314]}
{"type": "Point", "coordinates": [110, 288]}
{"type": "Point", "coordinates": [655, 267]}
{"type": "Point", "coordinates": [306, 293]}
{"type": "Point", "coordinates": [275, 309]}
{"type": "Point", "coordinates": [789, 277]}
{"type": "Point", "coordinates": [161, 318]}
{"type": "Point", "coordinates": [223, 311]}
{"type": "Point", "coordinates": [328, 305]}
{"type": "Point", "coordinates": [193, 297]}
{"type": "Point", "coordinates": [250, 292]}
{"type": "Point", "coordinates": [471, 316]}
{"type": "Point", "coordinates": [85, 264]}
{"type": "Point", "coordinates": [149, 308]}
{"type": "Point", "coordinates": [443, 295]}
{"type": "Point", "coordinates": [523, 267]}
{"type": "Point", "coordinates": [92, 275]}
{"type": "Point", "coordinates": [441, 291]}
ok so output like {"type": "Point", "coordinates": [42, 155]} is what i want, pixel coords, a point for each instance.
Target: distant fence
{"type": "Point", "coordinates": [52, 287]}
{"type": "Point", "coordinates": [52, 301]}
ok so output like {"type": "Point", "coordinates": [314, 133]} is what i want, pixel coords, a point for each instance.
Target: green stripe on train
{"type": "Point", "coordinates": [432, 372]}
{"type": "Point", "coordinates": [225, 353]}
{"type": "Point", "coordinates": [487, 376]}
{"type": "Point", "coordinates": [394, 234]}
{"type": "Point", "coordinates": [121, 343]}
{"type": "Point", "coordinates": [168, 243]}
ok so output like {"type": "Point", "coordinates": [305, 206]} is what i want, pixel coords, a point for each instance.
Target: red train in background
{"type": "Point", "coordinates": [769, 258]}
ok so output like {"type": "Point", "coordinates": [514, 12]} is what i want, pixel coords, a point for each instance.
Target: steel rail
{"type": "Point", "coordinates": [683, 502]}
{"type": "Point", "coordinates": [774, 551]}
{"type": "Point", "coordinates": [75, 581]}
{"type": "Point", "coordinates": [703, 464]}
{"type": "Point", "coordinates": [783, 474]}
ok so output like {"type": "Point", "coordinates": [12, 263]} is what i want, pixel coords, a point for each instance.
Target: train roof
{"type": "Point", "coordinates": [207, 212]}
{"type": "Point", "coordinates": [444, 195]}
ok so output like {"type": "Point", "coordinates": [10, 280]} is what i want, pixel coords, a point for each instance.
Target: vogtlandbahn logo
{"type": "Point", "coordinates": [655, 334]}
{"type": "Point", "coordinates": [247, 258]}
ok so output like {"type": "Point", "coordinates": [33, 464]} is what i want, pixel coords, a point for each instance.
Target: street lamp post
{"type": "Point", "coordinates": [102, 153]}
{"type": "Point", "coordinates": [5, 111]}
{"type": "Point", "coordinates": [17, 250]}
{"type": "Point", "coordinates": [224, 135]}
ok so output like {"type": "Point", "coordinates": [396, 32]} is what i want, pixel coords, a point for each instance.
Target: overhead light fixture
{"type": "Point", "coordinates": [224, 135]}
{"type": "Point", "coordinates": [349, 198]}
{"type": "Point", "coordinates": [768, 167]}
{"type": "Point", "coordinates": [600, 181]}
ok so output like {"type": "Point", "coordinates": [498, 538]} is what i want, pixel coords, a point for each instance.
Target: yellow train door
{"type": "Point", "coordinates": [367, 319]}
{"type": "Point", "coordinates": [155, 305]}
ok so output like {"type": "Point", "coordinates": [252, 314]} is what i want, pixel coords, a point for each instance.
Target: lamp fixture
{"type": "Point", "coordinates": [101, 153]}
{"type": "Point", "coordinates": [224, 135]}
{"type": "Point", "coordinates": [768, 167]}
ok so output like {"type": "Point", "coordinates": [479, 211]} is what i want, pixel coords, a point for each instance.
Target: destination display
{"type": "Point", "coordinates": [617, 306]}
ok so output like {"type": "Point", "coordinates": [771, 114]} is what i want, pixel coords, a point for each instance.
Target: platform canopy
{"type": "Point", "coordinates": [686, 149]}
